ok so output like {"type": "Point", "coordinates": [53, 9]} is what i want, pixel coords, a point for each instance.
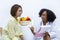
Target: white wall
{"type": "Point", "coordinates": [30, 8]}
{"type": "Point", "coordinates": [5, 6]}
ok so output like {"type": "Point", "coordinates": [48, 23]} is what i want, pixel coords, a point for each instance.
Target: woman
{"type": "Point", "coordinates": [46, 28]}
{"type": "Point", "coordinates": [14, 31]}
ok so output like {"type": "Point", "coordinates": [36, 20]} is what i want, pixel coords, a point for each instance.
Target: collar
{"type": "Point", "coordinates": [17, 21]}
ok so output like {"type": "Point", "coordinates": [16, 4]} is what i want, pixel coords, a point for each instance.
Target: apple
{"type": "Point", "coordinates": [28, 19]}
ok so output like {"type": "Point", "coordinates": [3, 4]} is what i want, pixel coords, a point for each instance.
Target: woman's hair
{"type": "Point", "coordinates": [50, 15]}
{"type": "Point", "coordinates": [14, 9]}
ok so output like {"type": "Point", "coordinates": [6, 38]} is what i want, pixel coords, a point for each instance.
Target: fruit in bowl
{"type": "Point", "coordinates": [24, 21]}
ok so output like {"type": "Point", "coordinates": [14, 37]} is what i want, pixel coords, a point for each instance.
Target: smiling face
{"type": "Point", "coordinates": [47, 15]}
{"type": "Point", "coordinates": [19, 12]}
{"type": "Point", "coordinates": [44, 16]}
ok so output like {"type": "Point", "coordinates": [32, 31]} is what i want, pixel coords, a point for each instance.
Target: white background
{"type": "Point", "coordinates": [30, 8]}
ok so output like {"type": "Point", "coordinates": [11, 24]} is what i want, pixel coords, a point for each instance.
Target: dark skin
{"type": "Point", "coordinates": [21, 36]}
{"type": "Point", "coordinates": [32, 30]}
{"type": "Point", "coordinates": [46, 36]}
{"type": "Point", "coordinates": [44, 19]}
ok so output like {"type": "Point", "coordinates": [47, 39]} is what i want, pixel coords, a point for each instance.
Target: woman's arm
{"type": "Point", "coordinates": [32, 30]}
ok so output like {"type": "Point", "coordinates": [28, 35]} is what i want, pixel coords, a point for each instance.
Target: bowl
{"type": "Point", "coordinates": [24, 23]}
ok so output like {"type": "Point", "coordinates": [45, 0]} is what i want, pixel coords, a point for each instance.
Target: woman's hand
{"type": "Point", "coordinates": [46, 36]}
{"type": "Point", "coordinates": [21, 37]}
{"type": "Point", "coordinates": [32, 30]}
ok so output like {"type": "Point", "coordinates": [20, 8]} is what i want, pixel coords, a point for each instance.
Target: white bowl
{"type": "Point", "coordinates": [24, 23]}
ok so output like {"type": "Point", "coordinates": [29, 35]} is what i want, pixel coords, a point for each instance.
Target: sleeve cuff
{"type": "Point", "coordinates": [52, 35]}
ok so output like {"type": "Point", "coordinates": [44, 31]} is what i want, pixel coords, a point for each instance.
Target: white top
{"type": "Point", "coordinates": [49, 27]}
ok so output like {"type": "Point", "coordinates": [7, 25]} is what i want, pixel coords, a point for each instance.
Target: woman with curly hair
{"type": "Point", "coordinates": [46, 28]}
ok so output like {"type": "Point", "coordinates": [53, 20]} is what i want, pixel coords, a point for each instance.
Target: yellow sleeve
{"type": "Point", "coordinates": [10, 29]}
{"type": "Point", "coordinates": [13, 29]}
{"type": "Point", "coordinates": [18, 31]}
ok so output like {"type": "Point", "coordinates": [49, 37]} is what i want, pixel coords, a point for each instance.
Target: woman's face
{"type": "Point", "coordinates": [19, 12]}
{"type": "Point", "coordinates": [44, 16]}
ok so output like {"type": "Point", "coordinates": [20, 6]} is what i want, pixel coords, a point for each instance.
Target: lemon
{"type": "Point", "coordinates": [23, 19]}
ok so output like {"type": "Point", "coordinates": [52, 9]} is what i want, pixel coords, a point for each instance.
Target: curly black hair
{"type": "Point", "coordinates": [50, 15]}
